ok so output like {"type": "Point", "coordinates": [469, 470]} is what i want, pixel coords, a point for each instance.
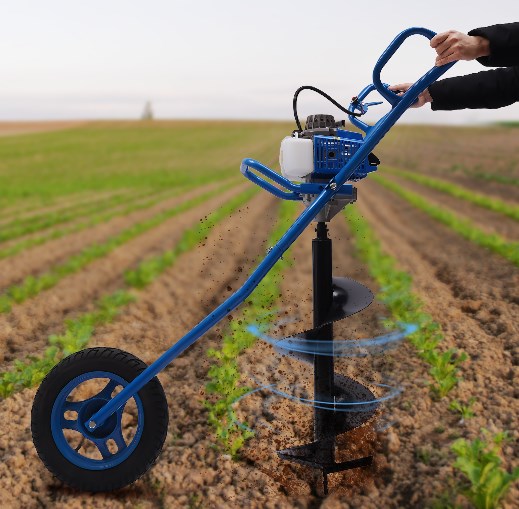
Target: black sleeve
{"type": "Point", "coordinates": [504, 44]}
{"type": "Point", "coordinates": [486, 89]}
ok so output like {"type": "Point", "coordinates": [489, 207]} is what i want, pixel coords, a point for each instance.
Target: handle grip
{"type": "Point", "coordinates": [390, 96]}
{"type": "Point", "coordinates": [420, 85]}
{"type": "Point", "coordinates": [245, 168]}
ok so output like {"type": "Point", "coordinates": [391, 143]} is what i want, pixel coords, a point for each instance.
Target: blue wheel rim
{"type": "Point", "coordinates": [111, 429]}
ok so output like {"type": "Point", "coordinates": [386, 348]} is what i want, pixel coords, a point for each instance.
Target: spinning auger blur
{"type": "Point", "coordinates": [112, 402]}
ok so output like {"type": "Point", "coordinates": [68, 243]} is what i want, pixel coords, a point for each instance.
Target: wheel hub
{"type": "Point", "coordinates": [90, 408]}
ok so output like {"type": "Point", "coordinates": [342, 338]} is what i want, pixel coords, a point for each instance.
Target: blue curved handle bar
{"type": "Point", "coordinates": [387, 94]}
{"type": "Point", "coordinates": [325, 193]}
{"type": "Point", "coordinates": [271, 174]}
{"type": "Point", "coordinates": [297, 190]}
{"type": "Point", "coordinates": [382, 88]}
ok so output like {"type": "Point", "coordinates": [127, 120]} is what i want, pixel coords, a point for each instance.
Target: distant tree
{"type": "Point", "coordinates": [147, 113]}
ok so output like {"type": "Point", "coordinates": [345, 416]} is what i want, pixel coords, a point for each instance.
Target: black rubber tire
{"type": "Point", "coordinates": [155, 411]}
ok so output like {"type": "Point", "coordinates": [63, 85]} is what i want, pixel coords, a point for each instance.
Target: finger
{"type": "Point", "coordinates": [438, 39]}
{"type": "Point", "coordinates": [401, 87]}
{"type": "Point", "coordinates": [445, 59]}
{"type": "Point", "coordinates": [444, 47]}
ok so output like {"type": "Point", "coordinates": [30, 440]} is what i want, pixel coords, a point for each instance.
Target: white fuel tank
{"type": "Point", "coordinates": [296, 158]}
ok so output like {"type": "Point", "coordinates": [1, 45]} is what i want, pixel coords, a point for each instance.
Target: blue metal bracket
{"type": "Point", "coordinates": [296, 190]}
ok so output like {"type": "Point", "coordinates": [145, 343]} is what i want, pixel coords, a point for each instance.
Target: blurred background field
{"type": "Point", "coordinates": [75, 157]}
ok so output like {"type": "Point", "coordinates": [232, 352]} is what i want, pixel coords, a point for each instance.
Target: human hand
{"type": "Point", "coordinates": [402, 88]}
{"type": "Point", "coordinates": [452, 45]}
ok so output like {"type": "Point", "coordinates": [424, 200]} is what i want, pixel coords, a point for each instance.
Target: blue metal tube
{"type": "Point", "coordinates": [220, 312]}
{"type": "Point", "coordinates": [373, 137]}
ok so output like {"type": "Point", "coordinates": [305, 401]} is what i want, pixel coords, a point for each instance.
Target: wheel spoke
{"type": "Point", "coordinates": [75, 406]}
{"type": "Point", "coordinates": [69, 424]}
{"type": "Point", "coordinates": [117, 437]}
{"type": "Point", "coordinates": [100, 443]}
{"type": "Point", "coordinates": [106, 393]}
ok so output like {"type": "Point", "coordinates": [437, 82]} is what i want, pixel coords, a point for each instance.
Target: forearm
{"type": "Point", "coordinates": [487, 89]}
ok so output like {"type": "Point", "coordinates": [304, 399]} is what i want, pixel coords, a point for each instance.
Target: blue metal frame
{"type": "Point", "coordinates": [374, 134]}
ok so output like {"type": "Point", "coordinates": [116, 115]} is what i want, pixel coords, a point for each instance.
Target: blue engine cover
{"type": "Point", "coordinates": [331, 153]}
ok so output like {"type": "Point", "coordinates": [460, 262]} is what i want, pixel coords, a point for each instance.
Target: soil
{"type": "Point", "coordinates": [189, 464]}
{"type": "Point", "coordinates": [24, 331]}
{"type": "Point", "coordinates": [469, 290]}
{"type": "Point", "coordinates": [16, 128]}
{"type": "Point", "coordinates": [472, 293]}
{"type": "Point", "coordinates": [486, 220]}
{"type": "Point", "coordinates": [34, 261]}
{"type": "Point", "coordinates": [456, 154]}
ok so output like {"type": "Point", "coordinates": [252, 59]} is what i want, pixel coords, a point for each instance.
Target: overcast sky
{"type": "Point", "coordinates": [70, 59]}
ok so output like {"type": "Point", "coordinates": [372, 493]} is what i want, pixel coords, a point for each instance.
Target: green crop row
{"type": "Point", "coordinates": [485, 481]}
{"type": "Point", "coordinates": [459, 192]}
{"type": "Point", "coordinates": [502, 179]}
{"type": "Point", "coordinates": [224, 375]}
{"type": "Point", "coordinates": [480, 461]}
{"type": "Point", "coordinates": [24, 226]}
{"type": "Point", "coordinates": [151, 268]}
{"type": "Point", "coordinates": [33, 285]}
{"type": "Point", "coordinates": [123, 155]}
{"type": "Point", "coordinates": [134, 205]}
{"type": "Point", "coordinates": [466, 228]}
{"type": "Point", "coordinates": [406, 307]}
{"type": "Point", "coordinates": [78, 332]}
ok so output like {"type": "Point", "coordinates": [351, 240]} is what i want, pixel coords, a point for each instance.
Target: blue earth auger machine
{"type": "Point", "coordinates": [100, 417]}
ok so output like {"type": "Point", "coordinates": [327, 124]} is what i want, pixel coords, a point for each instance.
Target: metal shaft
{"type": "Point", "coordinates": [324, 429]}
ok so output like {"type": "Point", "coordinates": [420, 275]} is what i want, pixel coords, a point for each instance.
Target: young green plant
{"type": "Point", "coordinates": [405, 307]}
{"type": "Point", "coordinates": [224, 375]}
{"type": "Point", "coordinates": [79, 331]}
{"type": "Point", "coordinates": [486, 481]}
{"type": "Point", "coordinates": [462, 226]}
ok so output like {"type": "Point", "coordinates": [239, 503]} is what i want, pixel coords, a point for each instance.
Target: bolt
{"type": "Point", "coordinates": [92, 425]}
{"type": "Point", "coordinates": [333, 186]}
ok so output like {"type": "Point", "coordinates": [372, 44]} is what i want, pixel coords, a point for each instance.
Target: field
{"type": "Point", "coordinates": [126, 234]}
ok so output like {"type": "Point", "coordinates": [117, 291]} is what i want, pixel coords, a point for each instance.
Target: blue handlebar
{"type": "Point", "coordinates": [272, 175]}
{"type": "Point", "coordinates": [387, 94]}
{"type": "Point", "coordinates": [411, 95]}
{"type": "Point", "coordinates": [296, 190]}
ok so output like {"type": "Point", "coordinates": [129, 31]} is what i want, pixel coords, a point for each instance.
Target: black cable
{"type": "Point", "coordinates": [325, 95]}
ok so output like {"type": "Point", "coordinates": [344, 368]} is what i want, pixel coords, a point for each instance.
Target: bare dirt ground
{"type": "Point", "coordinates": [487, 220]}
{"type": "Point", "coordinates": [470, 291]}
{"type": "Point", "coordinates": [457, 154]}
{"type": "Point", "coordinates": [189, 466]}
{"type": "Point", "coordinates": [16, 128]}
{"type": "Point", "coordinates": [38, 259]}
{"type": "Point", "coordinates": [24, 331]}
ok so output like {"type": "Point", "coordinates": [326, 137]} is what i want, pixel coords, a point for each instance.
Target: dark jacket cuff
{"type": "Point", "coordinates": [504, 44]}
